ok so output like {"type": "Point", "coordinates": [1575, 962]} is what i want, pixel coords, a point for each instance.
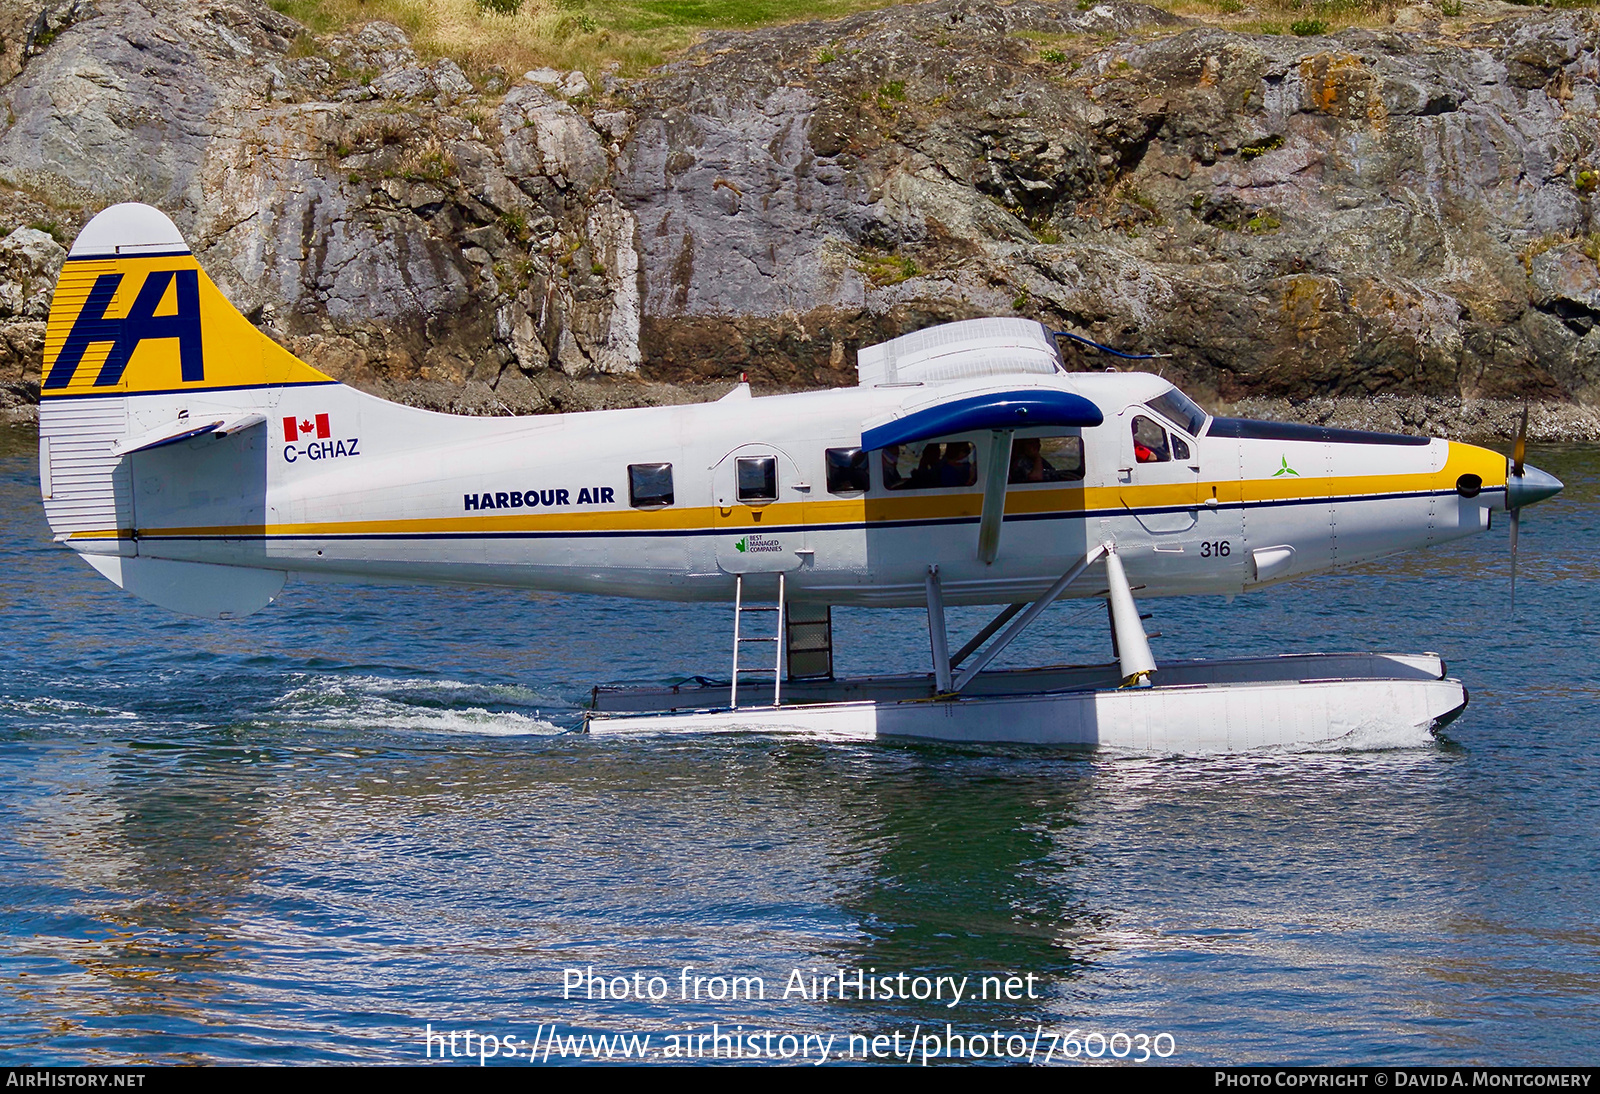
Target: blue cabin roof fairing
{"type": "Point", "coordinates": [1025, 409]}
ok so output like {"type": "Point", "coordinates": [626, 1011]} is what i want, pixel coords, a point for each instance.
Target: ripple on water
{"type": "Point", "coordinates": [305, 835]}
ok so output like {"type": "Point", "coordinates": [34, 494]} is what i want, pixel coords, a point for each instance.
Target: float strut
{"type": "Point", "coordinates": [1022, 621]}
{"type": "Point", "coordinates": [1133, 648]}
{"type": "Point", "coordinates": [983, 636]}
{"type": "Point", "coordinates": [938, 637]}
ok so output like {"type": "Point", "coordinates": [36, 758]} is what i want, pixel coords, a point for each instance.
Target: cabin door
{"type": "Point", "coordinates": [1159, 472]}
{"type": "Point", "coordinates": [757, 504]}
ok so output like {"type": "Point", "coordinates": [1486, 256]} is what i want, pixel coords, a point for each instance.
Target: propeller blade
{"type": "Point", "coordinates": [1519, 450]}
{"type": "Point", "coordinates": [1516, 520]}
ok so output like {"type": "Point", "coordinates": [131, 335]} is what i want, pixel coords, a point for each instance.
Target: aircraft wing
{"type": "Point", "coordinates": [1019, 408]}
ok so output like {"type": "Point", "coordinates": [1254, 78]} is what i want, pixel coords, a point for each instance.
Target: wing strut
{"type": "Point", "coordinates": [994, 495]}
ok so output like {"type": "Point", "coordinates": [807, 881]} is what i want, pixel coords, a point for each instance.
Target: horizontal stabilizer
{"type": "Point", "coordinates": [174, 432]}
{"type": "Point", "coordinates": [193, 588]}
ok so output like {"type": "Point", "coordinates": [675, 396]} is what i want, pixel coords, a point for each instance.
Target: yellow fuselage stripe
{"type": "Point", "coordinates": [1064, 502]}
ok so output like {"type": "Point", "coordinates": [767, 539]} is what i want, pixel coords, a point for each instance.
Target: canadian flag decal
{"type": "Point", "coordinates": [295, 428]}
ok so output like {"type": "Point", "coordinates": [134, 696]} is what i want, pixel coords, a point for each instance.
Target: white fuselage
{"type": "Point", "coordinates": [391, 492]}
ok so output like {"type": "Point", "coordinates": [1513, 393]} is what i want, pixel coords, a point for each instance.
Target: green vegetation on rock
{"type": "Point", "coordinates": [883, 269]}
{"type": "Point", "coordinates": [636, 35]}
{"type": "Point", "coordinates": [564, 34]}
{"type": "Point", "coordinates": [1260, 148]}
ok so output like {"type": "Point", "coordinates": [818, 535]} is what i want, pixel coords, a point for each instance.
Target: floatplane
{"type": "Point", "coordinates": [199, 465]}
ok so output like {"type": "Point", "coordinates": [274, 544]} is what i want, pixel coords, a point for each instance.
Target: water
{"type": "Point", "coordinates": [308, 835]}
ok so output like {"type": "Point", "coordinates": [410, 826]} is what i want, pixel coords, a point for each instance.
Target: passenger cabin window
{"type": "Point", "coordinates": [928, 466]}
{"type": "Point", "coordinates": [847, 470]}
{"type": "Point", "coordinates": [649, 485]}
{"type": "Point", "coordinates": [1150, 442]}
{"type": "Point", "coordinates": [757, 478]}
{"type": "Point", "coordinates": [1046, 459]}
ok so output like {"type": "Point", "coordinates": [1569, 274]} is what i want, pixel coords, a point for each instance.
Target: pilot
{"type": "Point", "coordinates": [957, 469]}
{"type": "Point", "coordinates": [1027, 465]}
{"type": "Point", "coordinates": [1149, 442]}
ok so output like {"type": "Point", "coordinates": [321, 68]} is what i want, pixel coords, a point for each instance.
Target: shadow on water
{"type": "Point", "coordinates": [969, 878]}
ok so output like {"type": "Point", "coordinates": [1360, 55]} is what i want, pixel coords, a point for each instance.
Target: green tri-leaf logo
{"type": "Point", "coordinates": [1284, 470]}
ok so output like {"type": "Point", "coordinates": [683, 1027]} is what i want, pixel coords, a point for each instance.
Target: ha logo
{"type": "Point", "coordinates": [139, 325]}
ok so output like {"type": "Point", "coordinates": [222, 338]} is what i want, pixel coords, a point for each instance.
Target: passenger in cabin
{"type": "Point", "coordinates": [927, 473]}
{"type": "Point", "coordinates": [1027, 465]}
{"type": "Point", "coordinates": [1046, 459]}
{"type": "Point", "coordinates": [938, 465]}
{"type": "Point", "coordinates": [957, 468]}
{"type": "Point", "coordinates": [892, 479]}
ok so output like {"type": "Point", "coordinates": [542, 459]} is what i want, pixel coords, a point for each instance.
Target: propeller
{"type": "Point", "coordinates": [1519, 453]}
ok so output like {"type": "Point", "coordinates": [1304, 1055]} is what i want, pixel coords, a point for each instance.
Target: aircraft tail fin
{"type": "Point", "coordinates": [135, 314]}
{"type": "Point", "coordinates": [142, 350]}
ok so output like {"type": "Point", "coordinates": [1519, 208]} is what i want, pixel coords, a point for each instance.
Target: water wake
{"type": "Point", "coordinates": [326, 701]}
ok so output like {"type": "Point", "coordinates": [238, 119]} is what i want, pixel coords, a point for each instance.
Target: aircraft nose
{"type": "Point", "coordinates": [1531, 486]}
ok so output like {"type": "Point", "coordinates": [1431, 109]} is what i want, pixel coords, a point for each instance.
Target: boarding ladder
{"type": "Point", "coordinates": [740, 609]}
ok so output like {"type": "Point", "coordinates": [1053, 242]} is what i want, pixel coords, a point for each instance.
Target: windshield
{"type": "Point", "coordinates": [1181, 409]}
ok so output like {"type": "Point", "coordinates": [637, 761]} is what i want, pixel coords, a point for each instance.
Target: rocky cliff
{"type": "Point", "coordinates": [1394, 226]}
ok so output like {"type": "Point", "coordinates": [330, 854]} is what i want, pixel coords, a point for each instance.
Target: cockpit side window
{"type": "Point", "coordinates": [757, 478]}
{"type": "Point", "coordinates": [1150, 441]}
{"type": "Point", "coordinates": [649, 485]}
{"type": "Point", "coordinates": [928, 466]}
{"type": "Point", "coordinates": [1046, 459]}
